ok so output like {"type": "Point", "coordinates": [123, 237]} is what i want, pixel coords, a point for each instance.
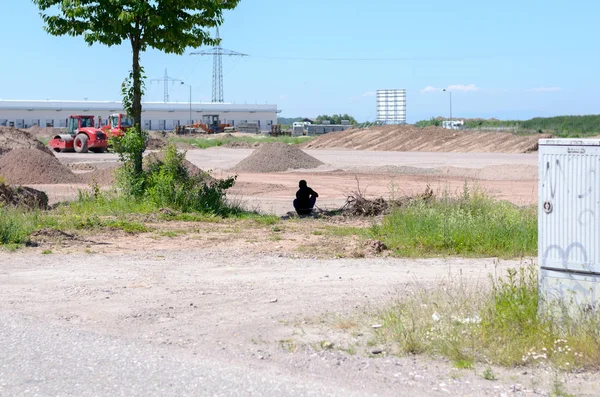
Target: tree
{"type": "Point", "coordinates": [170, 26]}
{"type": "Point", "coordinates": [336, 119]}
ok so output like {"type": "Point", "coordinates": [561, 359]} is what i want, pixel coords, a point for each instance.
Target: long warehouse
{"type": "Point", "coordinates": [155, 115]}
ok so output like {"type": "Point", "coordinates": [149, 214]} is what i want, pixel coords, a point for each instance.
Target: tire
{"type": "Point", "coordinates": [81, 143]}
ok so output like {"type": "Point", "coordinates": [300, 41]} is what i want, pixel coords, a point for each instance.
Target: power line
{"type": "Point", "coordinates": [217, 52]}
{"type": "Point", "coordinates": [166, 80]}
{"type": "Point", "coordinates": [394, 59]}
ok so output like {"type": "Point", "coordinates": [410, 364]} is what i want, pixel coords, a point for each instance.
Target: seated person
{"type": "Point", "coordinates": [305, 199]}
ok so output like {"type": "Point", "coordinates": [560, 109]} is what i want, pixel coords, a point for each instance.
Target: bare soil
{"type": "Point", "coordinates": [430, 139]}
{"type": "Point", "coordinates": [256, 296]}
{"type": "Point", "coordinates": [12, 138]}
{"type": "Point", "coordinates": [22, 196]}
{"type": "Point", "coordinates": [33, 166]}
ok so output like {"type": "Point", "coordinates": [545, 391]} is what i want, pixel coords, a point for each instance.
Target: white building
{"type": "Point", "coordinates": [155, 115]}
{"type": "Point", "coordinates": [391, 106]}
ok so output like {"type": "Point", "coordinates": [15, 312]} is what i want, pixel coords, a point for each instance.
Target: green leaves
{"type": "Point", "coordinates": [168, 25]}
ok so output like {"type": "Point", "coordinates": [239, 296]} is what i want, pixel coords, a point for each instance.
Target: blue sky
{"type": "Point", "coordinates": [509, 59]}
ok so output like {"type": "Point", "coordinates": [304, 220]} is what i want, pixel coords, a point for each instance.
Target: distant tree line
{"type": "Point", "coordinates": [336, 119]}
{"type": "Point", "coordinates": [560, 125]}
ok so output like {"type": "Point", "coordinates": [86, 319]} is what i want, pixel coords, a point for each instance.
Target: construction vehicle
{"type": "Point", "coordinates": [81, 136]}
{"type": "Point", "coordinates": [211, 124]}
{"type": "Point", "coordinates": [118, 123]}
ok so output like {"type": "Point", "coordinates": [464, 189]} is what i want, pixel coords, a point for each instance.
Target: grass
{"type": "Point", "coordinates": [505, 324]}
{"type": "Point", "coordinates": [471, 225]}
{"type": "Point", "coordinates": [488, 374]}
{"type": "Point", "coordinates": [103, 211]}
{"type": "Point", "coordinates": [205, 143]}
{"type": "Point", "coordinates": [16, 225]}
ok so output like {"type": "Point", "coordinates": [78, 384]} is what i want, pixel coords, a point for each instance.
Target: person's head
{"type": "Point", "coordinates": [302, 183]}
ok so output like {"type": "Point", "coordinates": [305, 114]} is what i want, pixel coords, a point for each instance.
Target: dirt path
{"type": "Point", "coordinates": [266, 309]}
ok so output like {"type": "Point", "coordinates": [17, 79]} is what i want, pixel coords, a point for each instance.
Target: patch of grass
{"type": "Point", "coordinates": [489, 374]}
{"type": "Point", "coordinates": [208, 142]}
{"type": "Point", "coordinates": [16, 225]}
{"type": "Point", "coordinates": [169, 233]}
{"type": "Point", "coordinates": [127, 226]}
{"type": "Point", "coordinates": [345, 231]}
{"type": "Point", "coordinates": [505, 324]}
{"type": "Point", "coordinates": [288, 345]}
{"type": "Point", "coordinates": [351, 350]}
{"type": "Point", "coordinates": [464, 364]}
{"type": "Point", "coordinates": [46, 252]}
{"type": "Point", "coordinates": [472, 225]}
{"type": "Point", "coordinates": [558, 389]}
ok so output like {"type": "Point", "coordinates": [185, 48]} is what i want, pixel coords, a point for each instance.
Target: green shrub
{"type": "Point", "coordinates": [470, 225]}
{"type": "Point", "coordinates": [168, 184]}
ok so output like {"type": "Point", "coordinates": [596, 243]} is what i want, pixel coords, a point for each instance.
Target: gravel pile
{"type": "Point", "coordinates": [34, 166]}
{"type": "Point", "coordinates": [12, 138]}
{"type": "Point", "coordinates": [276, 157]}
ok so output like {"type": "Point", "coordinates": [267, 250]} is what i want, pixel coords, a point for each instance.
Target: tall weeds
{"type": "Point", "coordinates": [506, 323]}
{"type": "Point", "coordinates": [471, 225]}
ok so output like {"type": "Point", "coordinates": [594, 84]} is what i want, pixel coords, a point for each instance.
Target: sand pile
{"type": "Point", "coordinates": [12, 138]}
{"type": "Point", "coordinates": [276, 157]}
{"type": "Point", "coordinates": [33, 166]}
{"type": "Point", "coordinates": [407, 138]}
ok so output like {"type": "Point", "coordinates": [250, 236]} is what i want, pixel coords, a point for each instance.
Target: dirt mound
{"type": "Point", "coordinates": [192, 169]}
{"type": "Point", "coordinates": [241, 145]}
{"type": "Point", "coordinates": [12, 138]}
{"type": "Point", "coordinates": [49, 236]}
{"type": "Point", "coordinates": [408, 138]}
{"type": "Point", "coordinates": [33, 166]}
{"type": "Point", "coordinates": [276, 157]}
{"type": "Point", "coordinates": [38, 131]}
{"type": "Point", "coordinates": [155, 144]}
{"type": "Point", "coordinates": [23, 197]}
{"type": "Point", "coordinates": [102, 176]}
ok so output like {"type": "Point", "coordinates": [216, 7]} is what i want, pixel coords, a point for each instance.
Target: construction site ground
{"type": "Point", "coordinates": [240, 307]}
{"type": "Point", "coordinates": [97, 313]}
{"type": "Point", "coordinates": [511, 177]}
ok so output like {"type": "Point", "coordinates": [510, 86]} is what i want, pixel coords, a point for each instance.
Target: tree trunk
{"type": "Point", "coordinates": [137, 99]}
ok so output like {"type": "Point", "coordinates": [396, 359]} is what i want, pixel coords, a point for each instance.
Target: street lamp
{"type": "Point", "coordinates": [182, 83]}
{"type": "Point", "coordinates": [450, 92]}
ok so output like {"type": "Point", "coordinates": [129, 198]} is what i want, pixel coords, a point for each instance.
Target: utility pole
{"type": "Point", "coordinates": [217, 78]}
{"type": "Point", "coordinates": [191, 121]}
{"type": "Point", "coordinates": [166, 80]}
{"type": "Point", "coordinates": [450, 92]}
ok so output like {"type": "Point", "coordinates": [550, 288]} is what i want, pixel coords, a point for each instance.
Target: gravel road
{"type": "Point", "coordinates": [43, 360]}
{"type": "Point", "coordinates": [183, 321]}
